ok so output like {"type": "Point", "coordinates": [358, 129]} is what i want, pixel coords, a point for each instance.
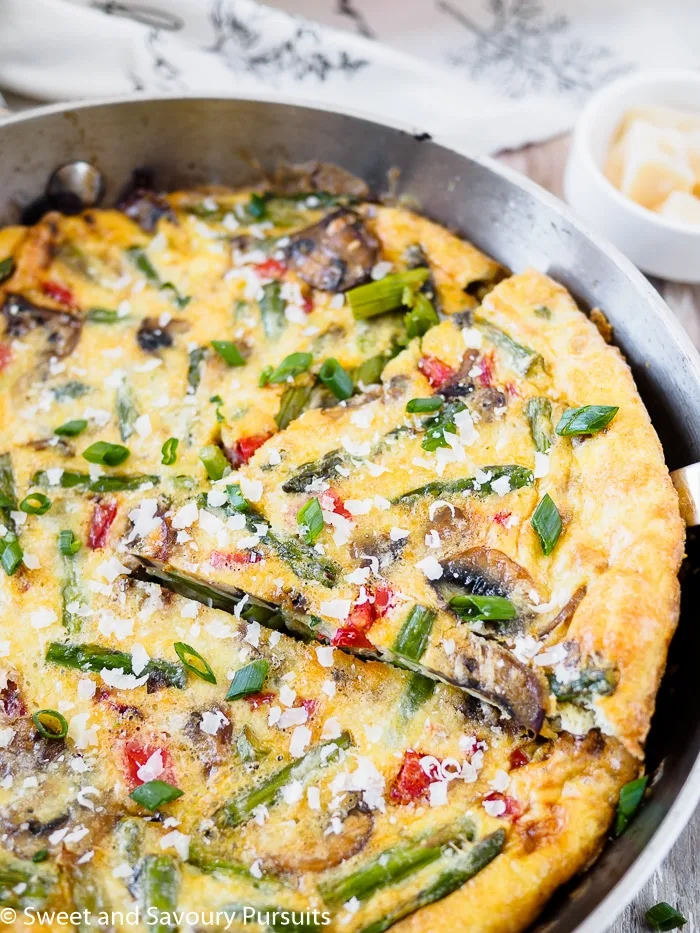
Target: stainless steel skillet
{"type": "Point", "coordinates": [189, 141]}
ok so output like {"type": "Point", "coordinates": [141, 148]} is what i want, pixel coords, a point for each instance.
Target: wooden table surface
{"type": "Point", "coordinates": [678, 879]}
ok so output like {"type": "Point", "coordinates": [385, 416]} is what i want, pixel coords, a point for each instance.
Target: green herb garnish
{"type": "Point", "coordinates": [169, 451]}
{"type": "Point", "coordinates": [663, 917]}
{"type": "Point", "coordinates": [228, 352]}
{"type": "Point", "coordinates": [106, 454]}
{"type": "Point", "coordinates": [337, 379]}
{"type": "Point", "coordinates": [248, 679]}
{"type": "Point", "coordinates": [628, 803]}
{"type": "Point", "coordinates": [291, 366]}
{"type": "Point", "coordinates": [154, 794]}
{"type": "Point", "coordinates": [50, 723]}
{"type": "Point", "coordinates": [36, 503]}
{"type": "Point", "coordinates": [71, 428]}
{"type": "Point", "coordinates": [419, 405]}
{"type": "Point", "coordinates": [310, 517]}
{"type": "Point", "coordinates": [68, 544]}
{"type": "Point", "coordinates": [546, 521]}
{"type": "Point", "coordinates": [194, 662]}
{"type": "Point", "coordinates": [589, 419]}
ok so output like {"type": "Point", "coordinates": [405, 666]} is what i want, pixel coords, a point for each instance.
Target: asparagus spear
{"type": "Point", "coordinates": [8, 496]}
{"type": "Point", "coordinates": [522, 358]}
{"type": "Point", "coordinates": [451, 871]}
{"type": "Point", "coordinates": [418, 691]}
{"type": "Point", "coordinates": [194, 369]}
{"type": "Point", "coordinates": [88, 897]}
{"type": "Point", "coordinates": [324, 468]}
{"type": "Point", "coordinates": [16, 873]}
{"type": "Point", "coordinates": [395, 864]}
{"type": "Point", "coordinates": [518, 476]}
{"type": "Point", "coordinates": [159, 886]}
{"type": "Point", "coordinates": [239, 809]}
{"type": "Point", "coordinates": [292, 404]}
{"type": "Point", "coordinates": [592, 681]}
{"type": "Point", "coordinates": [387, 294]}
{"type": "Point", "coordinates": [71, 596]}
{"type": "Point", "coordinates": [303, 560]}
{"type": "Point", "coordinates": [95, 658]}
{"type": "Point", "coordinates": [272, 307]}
{"type": "Point", "coordinates": [539, 415]}
{"type": "Point", "coordinates": [414, 634]}
{"type": "Point", "coordinates": [114, 482]}
{"type": "Point", "coordinates": [126, 411]}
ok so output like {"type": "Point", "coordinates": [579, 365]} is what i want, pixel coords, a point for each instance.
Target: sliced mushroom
{"type": "Point", "coordinates": [490, 672]}
{"type": "Point", "coordinates": [62, 330]}
{"type": "Point", "coordinates": [139, 202]}
{"type": "Point", "coordinates": [544, 626]}
{"type": "Point", "coordinates": [484, 571]}
{"type": "Point", "coordinates": [335, 254]}
{"type": "Point", "coordinates": [212, 750]}
{"type": "Point", "coordinates": [322, 848]}
{"type": "Point", "coordinates": [153, 336]}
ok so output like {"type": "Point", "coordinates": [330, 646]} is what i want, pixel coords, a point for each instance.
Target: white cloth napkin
{"type": "Point", "coordinates": [481, 75]}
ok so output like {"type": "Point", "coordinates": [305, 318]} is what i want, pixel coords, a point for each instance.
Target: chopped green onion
{"type": "Point", "coordinates": [421, 317]}
{"type": "Point", "coordinates": [236, 500]}
{"type": "Point", "coordinates": [215, 463]}
{"type": "Point", "coordinates": [169, 451]}
{"type": "Point", "coordinates": [417, 405]}
{"type": "Point", "coordinates": [68, 544]}
{"type": "Point", "coordinates": [36, 503]}
{"type": "Point", "coordinates": [219, 402]}
{"type": "Point", "coordinates": [256, 207]}
{"type": "Point", "coordinates": [229, 352]}
{"type": "Point", "coordinates": [630, 797]}
{"type": "Point", "coordinates": [105, 453]}
{"type": "Point", "coordinates": [546, 521]}
{"type": "Point", "coordinates": [265, 376]}
{"type": "Point", "coordinates": [310, 517]}
{"type": "Point", "coordinates": [589, 419]}
{"type": "Point", "coordinates": [11, 553]}
{"type": "Point", "coordinates": [486, 608]}
{"type": "Point", "coordinates": [71, 428]}
{"type": "Point", "coordinates": [40, 856]}
{"type": "Point", "coordinates": [439, 425]}
{"type": "Point", "coordinates": [335, 378]}
{"type": "Point", "coordinates": [103, 316]}
{"type": "Point", "coordinates": [543, 311]}
{"type": "Point", "coordinates": [50, 723]}
{"type": "Point", "coordinates": [291, 366]}
{"type": "Point", "coordinates": [194, 662]}
{"type": "Point", "coordinates": [7, 267]}
{"type": "Point", "coordinates": [414, 634]}
{"type": "Point", "coordinates": [387, 294]}
{"type": "Point", "coordinates": [663, 917]}
{"type": "Point", "coordinates": [248, 679]}
{"type": "Point", "coordinates": [154, 794]}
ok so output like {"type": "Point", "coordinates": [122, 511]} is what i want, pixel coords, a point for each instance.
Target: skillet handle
{"type": "Point", "coordinates": [687, 483]}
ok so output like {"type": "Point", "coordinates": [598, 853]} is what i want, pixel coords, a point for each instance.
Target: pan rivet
{"type": "Point", "coordinates": [75, 186]}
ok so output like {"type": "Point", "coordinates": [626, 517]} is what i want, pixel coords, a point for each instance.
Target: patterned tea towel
{"type": "Point", "coordinates": [480, 75]}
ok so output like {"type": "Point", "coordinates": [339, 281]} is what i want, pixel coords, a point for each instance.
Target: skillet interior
{"type": "Point", "coordinates": [191, 141]}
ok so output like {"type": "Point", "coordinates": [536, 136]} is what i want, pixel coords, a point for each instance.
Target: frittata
{"type": "Point", "coordinates": [340, 566]}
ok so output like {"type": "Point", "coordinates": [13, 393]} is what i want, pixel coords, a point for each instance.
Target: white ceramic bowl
{"type": "Point", "coordinates": [666, 248]}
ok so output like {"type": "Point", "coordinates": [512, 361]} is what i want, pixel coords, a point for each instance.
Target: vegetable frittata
{"type": "Point", "coordinates": [339, 567]}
